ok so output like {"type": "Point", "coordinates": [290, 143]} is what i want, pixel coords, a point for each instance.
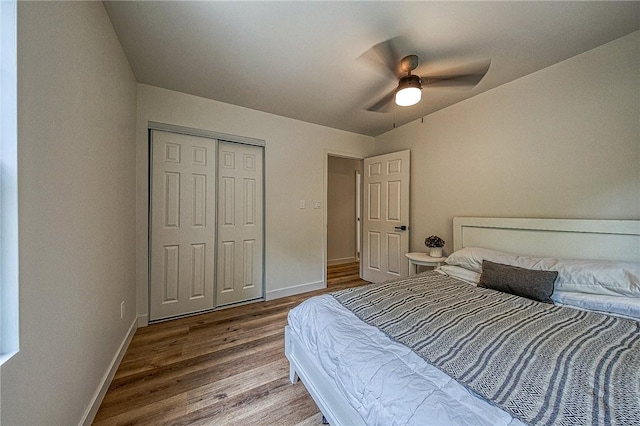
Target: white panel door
{"type": "Point", "coordinates": [240, 223]}
{"type": "Point", "coordinates": [385, 231]}
{"type": "Point", "coordinates": [182, 224]}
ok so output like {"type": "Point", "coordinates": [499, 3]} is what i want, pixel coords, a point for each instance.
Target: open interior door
{"type": "Point", "coordinates": [385, 234]}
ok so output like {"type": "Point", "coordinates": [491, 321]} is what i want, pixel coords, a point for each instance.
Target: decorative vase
{"type": "Point", "coordinates": [435, 251]}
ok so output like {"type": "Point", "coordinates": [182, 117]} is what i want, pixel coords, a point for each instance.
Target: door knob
{"type": "Point", "coordinates": [401, 228]}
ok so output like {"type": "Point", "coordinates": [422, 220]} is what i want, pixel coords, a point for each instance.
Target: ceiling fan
{"type": "Point", "coordinates": [409, 90]}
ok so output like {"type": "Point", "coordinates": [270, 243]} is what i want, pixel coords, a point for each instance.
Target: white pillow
{"type": "Point", "coordinates": [462, 274]}
{"type": "Point", "coordinates": [628, 307]}
{"type": "Point", "coordinates": [471, 258]}
{"type": "Point", "coordinates": [601, 277]}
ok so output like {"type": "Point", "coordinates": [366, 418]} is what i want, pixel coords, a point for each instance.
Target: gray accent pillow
{"type": "Point", "coordinates": [529, 283]}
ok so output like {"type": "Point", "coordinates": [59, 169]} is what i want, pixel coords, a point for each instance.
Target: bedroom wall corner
{"type": "Point", "coordinates": [563, 142]}
{"type": "Point", "coordinates": [76, 173]}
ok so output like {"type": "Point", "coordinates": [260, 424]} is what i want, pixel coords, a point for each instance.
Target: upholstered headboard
{"type": "Point", "coordinates": [560, 238]}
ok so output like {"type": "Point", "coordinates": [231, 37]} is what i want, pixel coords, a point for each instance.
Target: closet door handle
{"type": "Point", "coordinates": [401, 228]}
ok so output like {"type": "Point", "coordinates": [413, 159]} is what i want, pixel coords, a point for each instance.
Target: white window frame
{"type": "Point", "coordinates": [9, 293]}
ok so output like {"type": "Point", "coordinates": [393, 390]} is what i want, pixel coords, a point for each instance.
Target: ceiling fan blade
{"type": "Point", "coordinates": [384, 104]}
{"type": "Point", "coordinates": [386, 56]}
{"type": "Point", "coordinates": [468, 79]}
{"type": "Point", "coordinates": [462, 81]}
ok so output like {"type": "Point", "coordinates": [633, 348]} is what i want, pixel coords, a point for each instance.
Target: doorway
{"type": "Point", "coordinates": [343, 219]}
{"type": "Point", "coordinates": [382, 218]}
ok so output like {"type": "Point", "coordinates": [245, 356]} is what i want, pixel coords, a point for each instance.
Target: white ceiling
{"type": "Point", "coordinates": [301, 59]}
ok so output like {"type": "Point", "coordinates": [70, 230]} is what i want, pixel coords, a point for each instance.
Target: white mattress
{"type": "Point", "coordinates": [385, 381]}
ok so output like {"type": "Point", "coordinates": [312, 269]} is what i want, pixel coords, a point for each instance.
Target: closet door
{"type": "Point", "coordinates": [240, 223]}
{"type": "Point", "coordinates": [182, 224]}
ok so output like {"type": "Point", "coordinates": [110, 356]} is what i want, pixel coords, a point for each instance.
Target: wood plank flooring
{"type": "Point", "coordinates": [221, 368]}
{"type": "Point", "coordinates": [345, 273]}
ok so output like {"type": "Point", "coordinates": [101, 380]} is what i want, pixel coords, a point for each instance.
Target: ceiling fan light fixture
{"type": "Point", "coordinates": [408, 96]}
{"type": "Point", "coordinates": [409, 91]}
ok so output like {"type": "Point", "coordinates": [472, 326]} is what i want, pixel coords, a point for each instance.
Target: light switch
{"type": "Point", "coordinates": [302, 206]}
{"type": "Point", "coordinates": [317, 204]}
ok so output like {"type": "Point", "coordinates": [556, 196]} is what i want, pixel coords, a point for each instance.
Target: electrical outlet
{"type": "Point", "coordinates": [122, 309]}
{"type": "Point", "coordinates": [317, 204]}
{"type": "Point", "coordinates": [302, 206]}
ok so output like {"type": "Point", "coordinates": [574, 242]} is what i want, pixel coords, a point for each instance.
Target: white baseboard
{"type": "Point", "coordinates": [93, 407]}
{"type": "Point", "coordinates": [143, 320]}
{"type": "Point", "coordinates": [342, 260]}
{"type": "Point", "coordinates": [293, 290]}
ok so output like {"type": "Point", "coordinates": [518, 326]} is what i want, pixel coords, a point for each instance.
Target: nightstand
{"type": "Point", "coordinates": [422, 259]}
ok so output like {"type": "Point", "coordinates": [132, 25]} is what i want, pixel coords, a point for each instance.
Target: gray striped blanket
{"type": "Point", "coordinates": [543, 364]}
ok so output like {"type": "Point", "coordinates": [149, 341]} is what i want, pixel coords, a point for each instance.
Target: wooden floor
{"type": "Point", "coordinates": [222, 368]}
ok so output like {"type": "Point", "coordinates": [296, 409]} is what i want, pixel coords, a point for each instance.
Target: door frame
{"type": "Point", "coordinates": [334, 153]}
{"type": "Point", "coordinates": [359, 215]}
{"type": "Point", "coordinates": [209, 134]}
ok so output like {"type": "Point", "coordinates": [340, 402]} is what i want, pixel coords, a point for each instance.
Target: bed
{"type": "Point", "coordinates": [362, 353]}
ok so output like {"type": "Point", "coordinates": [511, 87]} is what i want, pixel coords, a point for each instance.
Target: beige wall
{"type": "Point", "coordinates": [341, 209]}
{"type": "Point", "coordinates": [563, 142]}
{"type": "Point", "coordinates": [295, 152]}
{"type": "Point", "coordinates": [76, 160]}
